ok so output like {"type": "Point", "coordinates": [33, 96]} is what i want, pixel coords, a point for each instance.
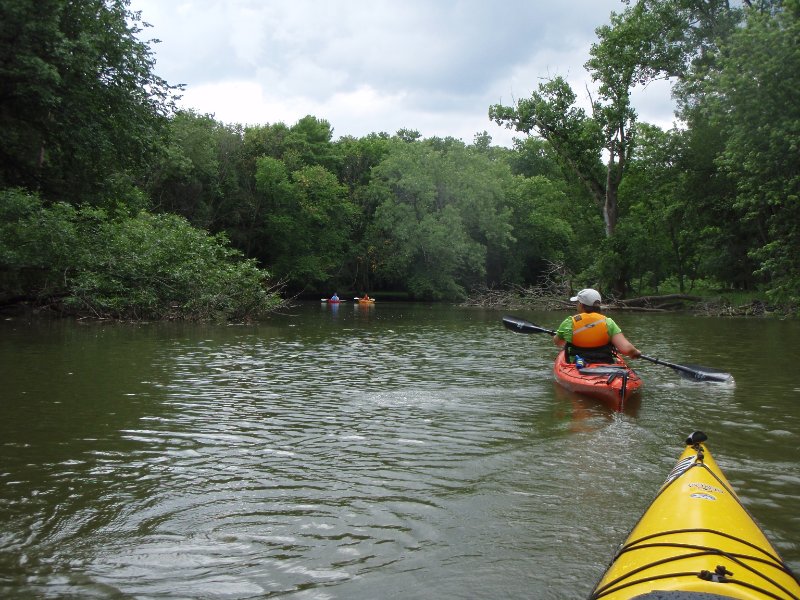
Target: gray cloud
{"type": "Point", "coordinates": [374, 65]}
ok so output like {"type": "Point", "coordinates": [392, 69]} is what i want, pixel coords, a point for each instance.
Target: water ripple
{"type": "Point", "coordinates": [359, 458]}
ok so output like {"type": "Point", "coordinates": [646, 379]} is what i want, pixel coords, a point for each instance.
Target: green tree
{"type": "Point", "coordinates": [306, 143]}
{"type": "Point", "coordinates": [650, 39]}
{"type": "Point", "coordinates": [200, 174]}
{"type": "Point", "coordinates": [309, 143]}
{"type": "Point", "coordinates": [541, 216]}
{"type": "Point", "coordinates": [264, 140]}
{"type": "Point", "coordinates": [84, 262]}
{"type": "Point", "coordinates": [756, 105]}
{"type": "Point", "coordinates": [721, 237]}
{"type": "Point", "coordinates": [79, 102]}
{"type": "Point", "coordinates": [160, 267]}
{"type": "Point", "coordinates": [357, 157]}
{"type": "Point", "coordinates": [440, 213]}
{"type": "Point", "coordinates": [578, 139]}
{"type": "Point", "coordinates": [685, 40]}
{"type": "Point", "coordinates": [305, 223]}
{"type": "Point", "coordinates": [38, 246]}
{"type": "Point", "coordinates": [533, 156]}
{"type": "Point", "coordinates": [656, 232]}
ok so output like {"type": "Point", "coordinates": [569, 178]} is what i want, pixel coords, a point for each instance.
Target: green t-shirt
{"type": "Point", "coordinates": [564, 330]}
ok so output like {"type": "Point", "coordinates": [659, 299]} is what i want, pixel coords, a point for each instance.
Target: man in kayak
{"type": "Point", "coordinates": [335, 297]}
{"type": "Point", "coordinates": [590, 334]}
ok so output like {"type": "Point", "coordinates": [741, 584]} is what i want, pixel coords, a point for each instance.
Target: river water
{"type": "Point", "coordinates": [392, 451]}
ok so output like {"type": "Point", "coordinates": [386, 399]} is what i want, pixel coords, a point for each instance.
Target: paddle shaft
{"type": "Point", "coordinates": [658, 361]}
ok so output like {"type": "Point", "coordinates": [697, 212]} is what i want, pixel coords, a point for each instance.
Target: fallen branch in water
{"type": "Point", "coordinates": [665, 301]}
{"type": "Point", "coordinates": [545, 298]}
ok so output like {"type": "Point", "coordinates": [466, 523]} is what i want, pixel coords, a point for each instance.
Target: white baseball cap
{"type": "Point", "coordinates": [587, 297]}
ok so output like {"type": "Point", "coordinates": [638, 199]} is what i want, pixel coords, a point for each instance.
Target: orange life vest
{"type": "Point", "coordinates": [589, 330]}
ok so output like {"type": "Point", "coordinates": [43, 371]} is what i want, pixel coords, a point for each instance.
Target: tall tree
{"type": "Point", "coordinates": [757, 105]}
{"type": "Point", "coordinates": [661, 222]}
{"type": "Point", "coordinates": [542, 231]}
{"type": "Point", "coordinates": [80, 104]}
{"type": "Point", "coordinates": [200, 174]}
{"type": "Point", "coordinates": [309, 143]}
{"type": "Point", "coordinates": [576, 138]}
{"type": "Point", "coordinates": [617, 64]}
{"type": "Point", "coordinates": [440, 213]}
{"type": "Point", "coordinates": [303, 225]}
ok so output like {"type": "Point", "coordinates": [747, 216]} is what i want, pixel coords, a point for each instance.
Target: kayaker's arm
{"type": "Point", "coordinates": [564, 333]}
{"type": "Point", "coordinates": [622, 344]}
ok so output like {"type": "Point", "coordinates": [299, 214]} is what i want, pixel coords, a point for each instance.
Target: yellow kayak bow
{"type": "Point", "coordinates": [696, 541]}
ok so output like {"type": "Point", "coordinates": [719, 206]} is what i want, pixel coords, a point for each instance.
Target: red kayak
{"type": "Point", "coordinates": [613, 383]}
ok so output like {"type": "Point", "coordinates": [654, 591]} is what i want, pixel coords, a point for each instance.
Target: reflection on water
{"type": "Point", "coordinates": [356, 452]}
{"type": "Point", "coordinates": [583, 414]}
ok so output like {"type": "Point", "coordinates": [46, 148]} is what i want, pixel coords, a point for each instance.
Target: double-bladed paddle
{"type": "Point", "coordinates": [694, 372]}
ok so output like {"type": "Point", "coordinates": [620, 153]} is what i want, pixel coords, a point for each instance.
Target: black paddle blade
{"type": "Point", "coordinates": [702, 373]}
{"type": "Point", "coordinates": [522, 326]}
{"type": "Point", "coordinates": [514, 324]}
{"type": "Point", "coordinates": [693, 373]}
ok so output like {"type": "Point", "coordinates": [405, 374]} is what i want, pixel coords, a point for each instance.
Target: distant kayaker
{"type": "Point", "coordinates": [590, 334]}
{"type": "Point", "coordinates": [366, 298]}
{"type": "Point", "coordinates": [335, 297]}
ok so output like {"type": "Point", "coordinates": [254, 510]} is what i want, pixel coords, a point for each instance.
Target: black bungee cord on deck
{"type": "Point", "coordinates": [721, 574]}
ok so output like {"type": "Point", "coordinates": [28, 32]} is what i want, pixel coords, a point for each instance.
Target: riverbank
{"type": "Point", "coordinates": [721, 305]}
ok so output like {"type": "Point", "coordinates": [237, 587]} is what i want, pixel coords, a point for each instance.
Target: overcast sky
{"type": "Point", "coordinates": [367, 66]}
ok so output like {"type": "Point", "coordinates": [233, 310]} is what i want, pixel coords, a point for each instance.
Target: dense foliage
{"type": "Point", "coordinates": [141, 267]}
{"type": "Point", "coordinates": [116, 204]}
{"type": "Point", "coordinates": [81, 106]}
